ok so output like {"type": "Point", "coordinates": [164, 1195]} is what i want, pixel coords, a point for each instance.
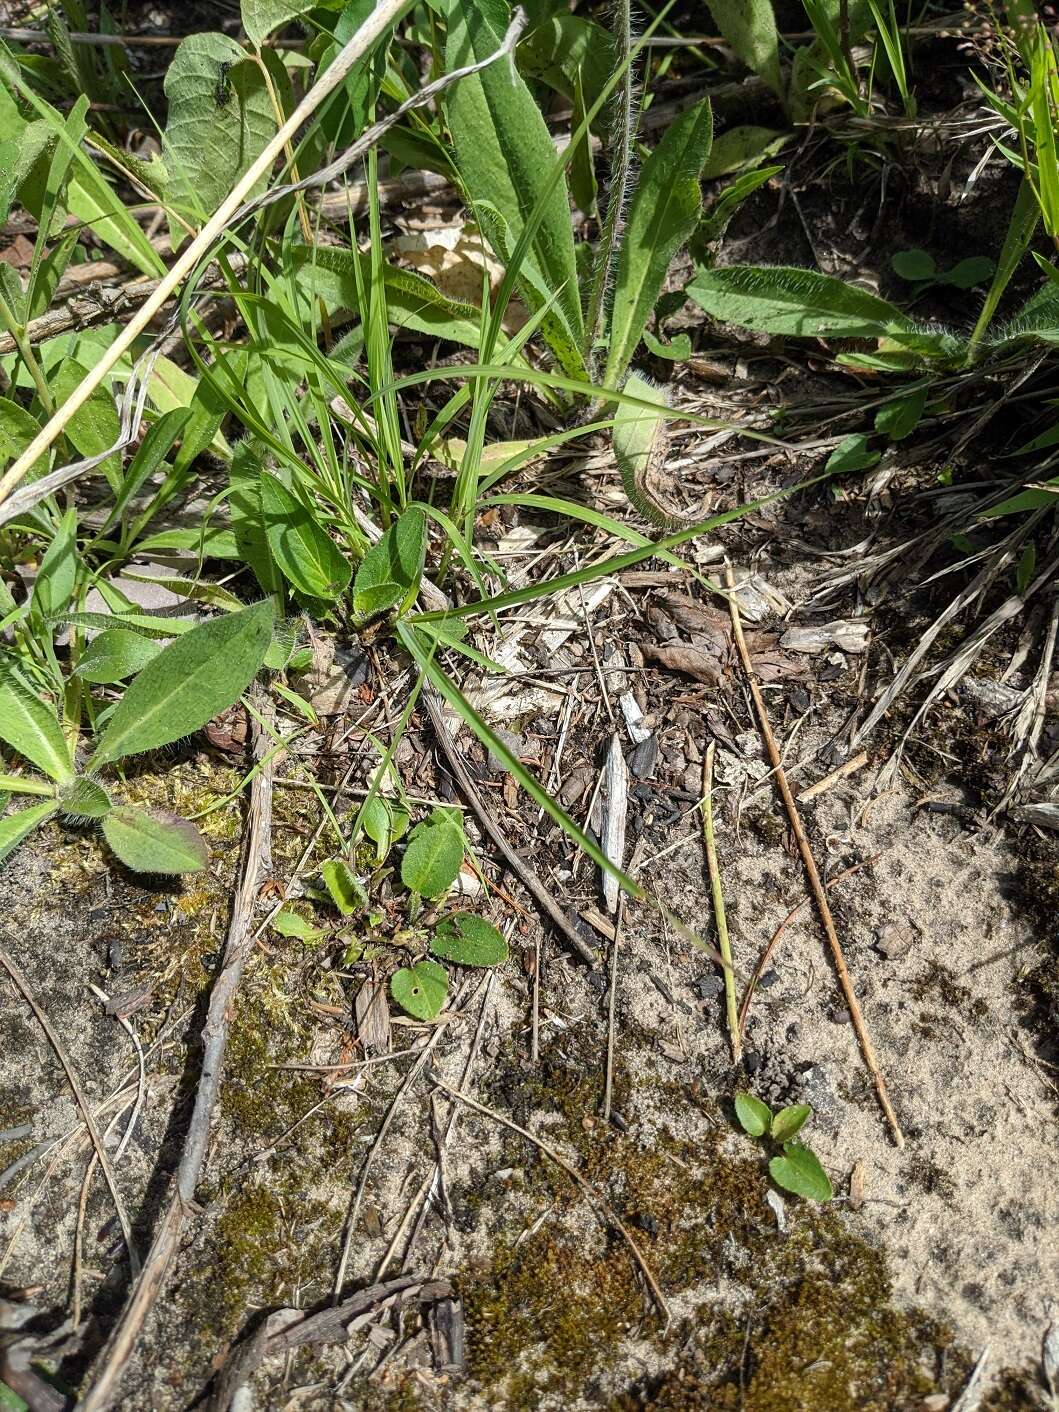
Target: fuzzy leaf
{"type": "Point", "coordinates": [641, 439]}
{"type": "Point", "coordinates": [432, 859]}
{"type": "Point", "coordinates": [248, 519]}
{"type": "Point", "coordinates": [116, 654]}
{"type": "Point", "coordinates": [94, 426]}
{"type": "Point", "coordinates": [261, 17]}
{"type": "Point", "coordinates": [420, 989]}
{"type": "Point", "coordinates": [32, 729]}
{"type": "Point", "coordinates": [188, 683]}
{"type": "Point", "coordinates": [754, 1116]}
{"type": "Point", "coordinates": [85, 799]}
{"type": "Point", "coordinates": [220, 120]}
{"type": "Point", "coordinates": [506, 156]}
{"type": "Point", "coordinates": [391, 568]}
{"type": "Point", "coordinates": [57, 576]}
{"type": "Point", "coordinates": [154, 843]}
{"type": "Point", "coordinates": [302, 548]}
{"type": "Point", "coordinates": [347, 892]}
{"type": "Point", "coordinates": [782, 300]}
{"type": "Point", "coordinates": [662, 218]}
{"type": "Point", "coordinates": [799, 1170]}
{"type": "Point", "coordinates": [469, 941]}
{"type": "Point", "coordinates": [15, 827]}
{"type": "Point", "coordinates": [788, 1121]}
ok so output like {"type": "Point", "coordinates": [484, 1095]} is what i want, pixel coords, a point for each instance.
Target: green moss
{"type": "Point", "coordinates": [807, 1320]}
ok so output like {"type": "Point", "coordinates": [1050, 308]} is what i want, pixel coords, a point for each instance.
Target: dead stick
{"type": "Point", "coordinates": [774, 939]}
{"type": "Point", "coordinates": [713, 868]}
{"type": "Point", "coordinates": [256, 852]}
{"type": "Point", "coordinates": [598, 1203]}
{"type": "Point", "coordinates": [816, 886]}
{"type": "Point", "coordinates": [82, 1103]}
{"type": "Point", "coordinates": [529, 879]}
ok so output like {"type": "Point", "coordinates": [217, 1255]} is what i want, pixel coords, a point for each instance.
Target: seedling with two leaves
{"type": "Point", "coordinates": [796, 1168]}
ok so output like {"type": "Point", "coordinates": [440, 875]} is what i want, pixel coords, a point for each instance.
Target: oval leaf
{"type": "Point", "coordinates": [302, 548]}
{"type": "Point", "coordinates": [469, 941]}
{"type": "Point", "coordinates": [347, 892]}
{"type": "Point", "coordinates": [432, 859]}
{"type": "Point", "coordinates": [85, 799]}
{"type": "Point", "coordinates": [754, 1116]}
{"type": "Point", "coordinates": [420, 989]}
{"type": "Point", "coordinates": [116, 654]}
{"type": "Point", "coordinates": [391, 569]}
{"type": "Point", "coordinates": [788, 1121]}
{"type": "Point", "coordinates": [154, 843]}
{"type": "Point", "coordinates": [799, 1170]}
{"type": "Point", "coordinates": [188, 683]}
{"type": "Point", "coordinates": [31, 728]}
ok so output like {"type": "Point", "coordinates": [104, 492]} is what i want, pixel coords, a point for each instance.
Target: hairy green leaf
{"type": "Point", "coordinates": [505, 153]}
{"type": "Point", "coordinates": [420, 989]}
{"type": "Point", "coordinates": [54, 585]}
{"type": "Point", "coordinates": [469, 941]}
{"type": "Point", "coordinates": [32, 729]}
{"type": "Point", "coordinates": [188, 683]}
{"type": "Point", "coordinates": [783, 300]}
{"type": "Point", "coordinates": [154, 843]}
{"type": "Point", "coordinates": [261, 17]}
{"type": "Point", "coordinates": [346, 890]}
{"type": "Point", "coordinates": [662, 218]}
{"type": "Point", "coordinates": [431, 862]}
{"type": "Point", "coordinates": [15, 827]}
{"type": "Point", "coordinates": [86, 799]}
{"type": "Point", "coordinates": [247, 517]}
{"type": "Point", "coordinates": [391, 568]}
{"type": "Point", "coordinates": [641, 439]}
{"type": "Point", "coordinates": [116, 654]}
{"type": "Point", "coordinates": [302, 548]}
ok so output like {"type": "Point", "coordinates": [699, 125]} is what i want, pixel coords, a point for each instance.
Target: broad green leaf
{"type": "Point", "coordinates": [391, 568]}
{"type": "Point", "coordinates": [188, 683]}
{"type": "Point", "coordinates": [290, 923]}
{"type": "Point", "coordinates": [247, 517]}
{"type": "Point", "coordinates": [171, 387]}
{"type": "Point", "coordinates": [211, 543]}
{"type": "Point", "coordinates": [261, 17]}
{"type": "Point", "coordinates": [914, 265]}
{"type": "Point", "coordinates": [750, 28]}
{"type": "Point", "coordinates": [432, 859]}
{"type": "Point", "coordinates": [420, 989]}
{"type": "Point", "coordinates": [754, 1116]}
{"type": "Point", "coordinates": [676, 351]}
{"type": "Point", "coordinates": [799, 1170]}
{"type": "Point", "coordinates": [564, 49]}
{"type": "Point", "coordinates": [54, 585]}
{"type": "Point", "coordinates": [346, 890]}
{"type": "Point", "coordinates": [15, 827]}
{"type": "Point", "coordinates": [852, 454]}
{"type": "Point", "coordinates": [741, 147]}
{"type": "Point", "coordinates": [17, 430]}
{"type": "Point", "coordinates": [95, 425]}
{"type": "Point", "coordinates": [142, 624]}
{"type": "Point", "coordinates": [116, 654]}
{"type": "Point", "coordinates": [968, 273]}
{"type": "Point", "coordinates": [154, 843]}
{"type": "Point", "coordinates": [505, 153]}
{"type": "Point", "coordinates": [469, 941]}
{"type": "Point", "coordinates": [1037, 320]}
{"type": "Point", "coordinates": [789, 1121]}
{"type": "Point", "coordinates": [85, 799]}
{"type": "Point", "coordinates": [302, 548]}
{"type": "Point", "coordinates": [783, 300]}
{"type": "Point", "coordinates": [31, 728]}
{"type": "Point", "coordinates": [899, 418]}
{"type": "Point", "coordinates": [664, 213]}
{"type": "Point", "coordinates": [220, 120]}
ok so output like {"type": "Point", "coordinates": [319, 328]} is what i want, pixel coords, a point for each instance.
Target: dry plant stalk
{"type": "Point", "coordinates": [713, 868]}
{"type": "Point", "coordinates": [816, 886]}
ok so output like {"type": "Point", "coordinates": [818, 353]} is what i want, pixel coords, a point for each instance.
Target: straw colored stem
{"type": "Point", "coordinates": [714, 870]}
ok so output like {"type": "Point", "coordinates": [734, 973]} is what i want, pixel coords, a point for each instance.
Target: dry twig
{"type": "Point", "coordinates": [713, 868]}
{"type": "Point", "coordinates": [816, 886]}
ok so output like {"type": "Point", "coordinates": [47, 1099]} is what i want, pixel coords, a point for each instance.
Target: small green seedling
{"type": "Point", "coordinates": [797, 1169]}
{"type": "Point", "coordinates": [919, 267]}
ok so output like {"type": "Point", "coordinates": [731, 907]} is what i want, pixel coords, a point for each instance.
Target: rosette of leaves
{"type": "Point", "coordinates": [182, 686]}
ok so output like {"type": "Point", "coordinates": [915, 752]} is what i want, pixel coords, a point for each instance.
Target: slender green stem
{"type": "Point", "coordinates": [731, 1008]}
{"type": "Point", "coordinates": [25, 352]}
